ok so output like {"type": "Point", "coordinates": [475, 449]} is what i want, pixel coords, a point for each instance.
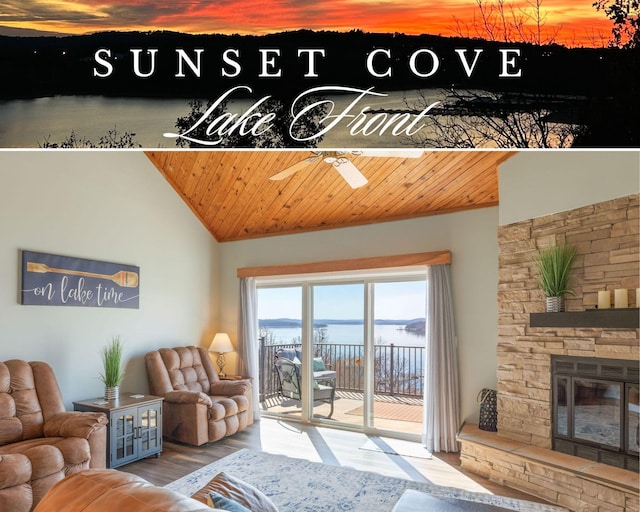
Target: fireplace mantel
{"type": "Point", "coordinates": [627, 318]}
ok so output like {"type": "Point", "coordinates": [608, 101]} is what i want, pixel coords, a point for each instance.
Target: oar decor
{"type": "Point", "coordinates": [122, 278]}
{"type": "Point", "coordinates": [54, 280]}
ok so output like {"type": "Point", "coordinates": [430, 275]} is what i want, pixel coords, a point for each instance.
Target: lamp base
{"type": "Point", "coordinates": [221, 362]}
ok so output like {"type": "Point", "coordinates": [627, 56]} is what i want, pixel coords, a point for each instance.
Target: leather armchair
{"type": "Point", "coordinates": [199, 408]}
{"type": "Point", "coordinates": [106, 490]}
{"type": "Point", "coordinates": [40, 442]}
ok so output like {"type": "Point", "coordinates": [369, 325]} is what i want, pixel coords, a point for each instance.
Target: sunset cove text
{"type": "Point", "coordinates": [356, 116]}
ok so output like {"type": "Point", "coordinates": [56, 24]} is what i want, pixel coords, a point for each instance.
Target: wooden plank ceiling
{"type": "Point", "coordinates": [231, 193]}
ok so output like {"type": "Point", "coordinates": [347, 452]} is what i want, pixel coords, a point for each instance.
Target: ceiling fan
{"type": "Point", "coordinates": [340, 160]}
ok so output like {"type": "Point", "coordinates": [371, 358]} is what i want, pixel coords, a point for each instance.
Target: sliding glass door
{"type": "Point", "coordinates": [399, 349]}
{"type": "Point", "coordinates": [339, 348]}
{"type": "Point", "coordinates": [348, 352]}
{"type": "Point", "coordinates": [280, 314]}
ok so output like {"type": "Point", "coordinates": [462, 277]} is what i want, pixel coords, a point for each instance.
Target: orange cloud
{"type": "Point", "coordinates": [564, 21]}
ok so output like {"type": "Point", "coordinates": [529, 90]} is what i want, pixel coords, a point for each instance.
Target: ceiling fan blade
{"type": "Point", "coordinates": [294, 168]}
{"type": "Point", "coordinates": [399, 153]}
{"type": "Point", "coordinates": [350, 173]}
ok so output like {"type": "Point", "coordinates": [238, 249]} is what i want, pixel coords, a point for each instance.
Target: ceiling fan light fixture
{"type": "Point", "coordinates": [340, 160]}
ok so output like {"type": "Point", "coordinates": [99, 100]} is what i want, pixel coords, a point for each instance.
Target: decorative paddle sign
{"type": "Point", "coordinates": [51, 280]}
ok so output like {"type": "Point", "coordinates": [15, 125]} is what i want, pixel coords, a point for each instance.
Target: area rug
{"type": "Point", "coordinates": [296, 485]}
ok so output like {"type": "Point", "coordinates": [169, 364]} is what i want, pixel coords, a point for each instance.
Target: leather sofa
{"type": "Point", "coordinates": [40, 442]}
{"type": "Point", "coordinates": [199, 408]}
{"type": "Point", "coordinates": [107, 490]}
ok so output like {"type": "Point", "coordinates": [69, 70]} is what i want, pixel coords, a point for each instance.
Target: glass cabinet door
{"type": "Point", "coordinates": [123, 438]}
{"type": "Point", "coordinates": [149, 432]}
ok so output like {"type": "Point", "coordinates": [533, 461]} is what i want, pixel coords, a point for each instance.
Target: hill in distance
{"type": "Point", "coordinates": [28, 32]}
{"type": "Point", "coordinates": [279, 323]}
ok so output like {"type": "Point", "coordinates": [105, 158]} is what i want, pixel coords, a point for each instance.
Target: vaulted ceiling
{"type": "Point", "coordinates": [232, 195]}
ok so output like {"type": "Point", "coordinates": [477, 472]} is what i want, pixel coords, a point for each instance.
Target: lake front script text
{"type": "Point", "coordinates": [358, 118]}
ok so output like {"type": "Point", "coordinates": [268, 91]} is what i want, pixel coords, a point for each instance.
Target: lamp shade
{"type": "Point", "coordinates": [221, 343]}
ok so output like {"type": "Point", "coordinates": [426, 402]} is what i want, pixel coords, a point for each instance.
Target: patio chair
{"type": "Point", "coordinates": [321, 371]}
{"type": "Point", "coordinates": [289, 383]}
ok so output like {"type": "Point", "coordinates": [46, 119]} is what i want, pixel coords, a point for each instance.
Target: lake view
{"type": "Point", "coordinates": [353, 334]}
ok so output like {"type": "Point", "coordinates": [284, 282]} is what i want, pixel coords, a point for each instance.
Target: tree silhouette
{"type": "Point", "coordinates": [603, 115]}
{"type": "Point", "coordinates": [470, 119]}
{"type": "Point", "coordinates": [498, 20]}
{"type": "Point", "coordinates": [625, 15]}
{"type": "Point", "coordinates": [112, 139]}
{"type": "Point", "coordinates": [612, 119]}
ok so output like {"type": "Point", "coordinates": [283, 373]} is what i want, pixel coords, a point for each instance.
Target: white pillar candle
{"type": "Point", "coordinates": [621, 299]}
{"type": "Point", "coordinates": [604, 299]}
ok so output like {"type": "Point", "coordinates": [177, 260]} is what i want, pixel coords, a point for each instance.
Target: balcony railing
{"type": "Point", "coordinates": [398, 370]}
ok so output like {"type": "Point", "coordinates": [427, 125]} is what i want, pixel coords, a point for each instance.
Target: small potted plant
{"type": "Point", "coordinates": [554, 264]}
{"type": "Point", "coordinates": [113, 370]}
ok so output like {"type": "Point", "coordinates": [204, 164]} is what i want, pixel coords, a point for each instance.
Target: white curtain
{"type": "Point", "coordinates": [248, 339]}
{"type": "Point", "coordinates": [441, 400]}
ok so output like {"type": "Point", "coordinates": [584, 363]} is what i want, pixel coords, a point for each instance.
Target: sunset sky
{"type": "Point", "coordinates": [570, 22]}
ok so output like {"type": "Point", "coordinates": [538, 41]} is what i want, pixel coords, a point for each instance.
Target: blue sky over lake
{"type": "Point", "coordinates": [394, 300]}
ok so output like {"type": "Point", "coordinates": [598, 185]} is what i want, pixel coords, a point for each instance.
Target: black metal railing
{"type": "Point", "coordinates": [398, 370]}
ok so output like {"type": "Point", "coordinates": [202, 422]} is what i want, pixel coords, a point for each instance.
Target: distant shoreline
{"type": "Point", "coordinates": [292, 323]}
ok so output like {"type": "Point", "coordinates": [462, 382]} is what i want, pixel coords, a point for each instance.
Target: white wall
{"type": "Point", "coordinates": [537, 183]}
{"type": "Point", "coordinates": [111, 206]}
{"type": "Point", "coordinates": [470, 236]}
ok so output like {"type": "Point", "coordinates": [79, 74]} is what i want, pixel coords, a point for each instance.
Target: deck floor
{"type": "Point", "coordinates": [395, 414]}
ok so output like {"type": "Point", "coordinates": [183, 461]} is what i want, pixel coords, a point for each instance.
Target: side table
{"type": "Point", "coordinates": [135, 426]}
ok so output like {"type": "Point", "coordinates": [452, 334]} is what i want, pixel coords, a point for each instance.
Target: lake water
{"type": "Point", "coordinates": [353, 334]}
{"type": "Point", "coordinates": [28, 123]}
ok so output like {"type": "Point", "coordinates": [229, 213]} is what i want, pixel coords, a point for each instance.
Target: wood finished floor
{"type": "Point", "coordinates": [319, 444]}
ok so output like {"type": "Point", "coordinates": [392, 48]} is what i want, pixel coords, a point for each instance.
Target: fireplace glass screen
{"type": "Point", "coordinates": [633, 418]}
{"type": "Point", "coordinates": [596, 409]}
{"type": "Point", "coordinates": [562, 406]}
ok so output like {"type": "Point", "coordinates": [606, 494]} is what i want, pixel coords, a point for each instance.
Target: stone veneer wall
{"type": "Point", "coordinates": [607, 239]}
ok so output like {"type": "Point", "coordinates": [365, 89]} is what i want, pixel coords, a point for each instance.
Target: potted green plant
{"type": "Point", "coordinates": [113, 370]}
{"type": "Point", "coordinates": [554, 264]}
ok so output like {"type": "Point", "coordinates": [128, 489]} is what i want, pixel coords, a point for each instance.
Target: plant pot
{"type": "Point", "coordinates": [111, 393]}
{"type": "Point", "coordinates": [555, 304]}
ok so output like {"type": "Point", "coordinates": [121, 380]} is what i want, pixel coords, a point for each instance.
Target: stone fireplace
{"type": "Point", "coordinates": [606, 236]}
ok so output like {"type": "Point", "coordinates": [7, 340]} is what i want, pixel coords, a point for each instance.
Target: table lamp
{"type": "Point", "coordinates": [221, 344]}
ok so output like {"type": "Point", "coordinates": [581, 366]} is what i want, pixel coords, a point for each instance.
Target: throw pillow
{"type": "Point", "coordinates": [220, 502]}
{"type": "Point", "coordinates": [242, 492]}
{"type": "Point", "coordinates": [318, 364]}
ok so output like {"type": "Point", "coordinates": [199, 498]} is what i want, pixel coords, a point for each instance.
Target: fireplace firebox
{"type": "Point", "coordinates": [596, 409]}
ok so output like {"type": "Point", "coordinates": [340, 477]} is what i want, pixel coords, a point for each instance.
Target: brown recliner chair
{"type": "Point", "coordinates": [199, 408]}
{"type": "Point", "coordinates": [40, 442]}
